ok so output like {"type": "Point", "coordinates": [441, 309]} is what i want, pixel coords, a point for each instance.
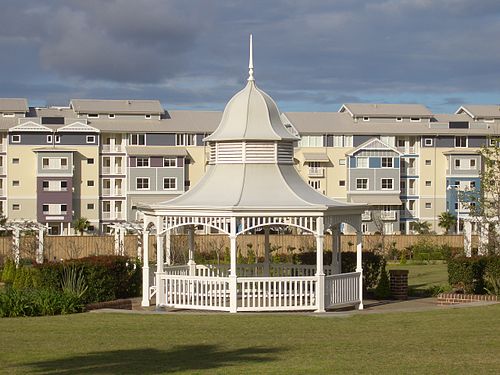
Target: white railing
{"type": "Point", "coordinates": [367, 215]}
{"type": "Point", "coordinates": [289, 269]}
{"type": "Point", "coordinates": [342, 289]}
{"type": "Point", "coordinates": [106, 192]}
{"type": "Point", "coordinates": [212, 270]}
{"type": "Point", "coordinates": [316, 171]}
{"type": "Point", "coordinates": [277, 293]}
{"type": "Point", "coordinates": [188, 292]}
{"type": "Point", "coordinates": [2, 170]}
{"type": "Point", "coordinates": [388, 215]}
{"type": "Point", "coordinates": [257, 269]}
{"type": "Point", "coordinates": [112, 148]}
{"type": "Point", "coordinates": [176, 270]}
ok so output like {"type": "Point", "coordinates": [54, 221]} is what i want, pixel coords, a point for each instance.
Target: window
{"type": "Point", "coordinates": [90, 183]}
{"type": "Point", "coordinates": [338, 141]}
{"type": "Point", "coordinates": [460, 141]}
{"type": "Point", "coordinates": [364, 228]}
{"type": "Point", "coordinates": [49, 139]}
{"type": "Point", "coordinates": [138, 139]}
{"type": "Point", "coordinates": [428, 205]}
{"type": "Point", "coordinates": [387, 162]}
{"type": "Point", "coordinates": [90, 206]}
{"type": "Point", "coordinates": [142, 183]}
{"type": "Point", "coordinates": [15, 161]}
{"type": "Point", "coordinates": [388, 140]}
{"type": "Point", "coordinates": [186, 139]}
{"type": "Point", "coordinates": [169, 183]}
{"type": "Point", "coordinates": [472, 184]}
{"type": "Point", "coordinates": [428, 162]}
{"type": "Point", "coordinates": [111, 115]}
{"type": "Point", "coordinates": [90, 161]}
{"type": "Point", "coordinates": [142, 162]}
{"type": "Point", "coordinates": [387, 184]}
{"type": "Point", "coordinates": [348, 140]}
{"type": "Point", "coordinates": [93, 115]}
{"type": "Point", "coordinates": [45, 208]}
{"type": "Point", "coordinates": [64, 185]}
{"type": "Point", "coordinates": [16, 138]}
{"type": "Point", "coordinates": [401, 142]}
{"type": "Point", "coordinates": [170, 161]}
{"type": "Point", "coordinates": [428, 142]}
{"type": "Point", "coordinates": [458, 163]}
{"type": "Point", "coordinates": [8, 115]}
{"type": "Point", "coordinates": [361, 162]}
{"type": "Point", "coordinates": [472, 163]}
{"type": "Point", "coordinates": [90, 138]}
{"type": "Point", "coordinates": [147, 117]}
{"type": "Point", "coordinates": [428, 183]}
{"type": "Point", "coordinates": [361, 184]}
{"type": "Point", "coordinates": [57, 139]}
{"type": "Point", "coordinates": [399, 119]}
{"type": "Point", "coordinates": [315, 184]}
{"type": "Point", "coordinates": [45, 185]}
{"type": "Point", "coordinates": [493, 141]}
{"type": "Point", "coordinates": [16, 207]}
{"type": "Point", "coordinates": [15, 183]}
{"type": "Point", "coordinates": [64, 208]}
{"type": "Point", "coordinates": [341, 182]}
{"type": "Point", "coordinates": [341, 161]}
{"type": "Point", "coordinates": [366, 118]}
{"type": "Point", "coordinates": [415, 119]}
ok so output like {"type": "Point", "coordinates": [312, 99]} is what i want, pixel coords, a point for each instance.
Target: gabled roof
{"type": "Point", "coordinates": [480, 111]}
{"type": "Point", "coordinates": [373, 144]}
{"type": "Point", "coordinates": [15, 105]}
{"type": "Point", "coordinates": [386, 110]}
{"type": "Point", "coordinates": [78, 126]}
{"type": "Point", "coordinates": [30, 126]}
{"type": "Point", "coordinates": [117, 106]}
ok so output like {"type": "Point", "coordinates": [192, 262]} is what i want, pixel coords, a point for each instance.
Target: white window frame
{"type": "Point", "coordinates": [386, 180]}
{"type": "Point", "coordinates": [135, 139]}
{"type": "Point", "coordinates": [399, 119]}
{"type": "Point", "coordinates": [428, 162]}
{"type": "Point", "coordinates": [364, 159]}
{"type": "Point", "coordinates": [167, 162]}
{"type": "Point", "coordinates": [92, 115]}
{"type": "Point", "coordinates": [342, 183]}
{"type": "Point", "coordinates": [147, 117]}
{"type": "Point", "coordinates": [144, 165]}
{"type": "Point", "coordinates": [174, 179]}
{"type": "Point", "coordinates": [428, 183]}
{"type": "Point", "coordinates": [428, 142]}
{"type": "Point", "coordinates": [8, 115]}
{"type": "Point", "coordinates": [472, 163]}
{"type": "Point", "coordinates": [15, 138]}
{"type": "Point", "coordinates": [111, 115]}
{"type": "Point", "coordinates": [16, 206]}
{"type": "Point", "coordinates": [428, 205]}
{"type": "Point", "coordinates": [342, 161]}
{"type": "Point", "coordinates": [49, 138]}
{"type": "Point", "coordinates": [54, 163]}
{"type": "Point", "coordinates": [358, 180]}
{"type": "Point", "coordinates": [315, 184]}
{"type": "Point", "coordinates": [90, 138]}
{"type": "Point", "coordinates": [137, 183]}
{"type": "Point", "coordinates": [348, 140]}
{"type": "Point", "coordinates": [459, 138]}
{"type": "Point", "coordinates": [57, 138]}
{"type": "Point", "coordinates": [185, 139]}
{"type": "Point", "coordinates": [338, 141]}
{"type": "Point", "coordinates": [366, 118]}
{"type": "Point", "coordinates": [387, 158]}
{"type": "Point", "coordinates": [415, 119]}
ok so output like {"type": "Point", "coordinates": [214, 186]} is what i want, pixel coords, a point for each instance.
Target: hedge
{"type": "Point", "coordinates": [476, 275]}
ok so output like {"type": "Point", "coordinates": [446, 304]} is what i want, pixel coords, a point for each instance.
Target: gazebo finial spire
{"type": "Point", "coordinates": [250, 62]}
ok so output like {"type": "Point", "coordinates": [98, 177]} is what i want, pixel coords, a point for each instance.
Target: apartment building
{"type": "Point", "coordinates": [99, 158]}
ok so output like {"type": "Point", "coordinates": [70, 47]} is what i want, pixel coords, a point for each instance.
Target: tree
{"type": "Point", "coordinates": [484, 200]}
{"type": "Point", "coordinates": [421, 227]}
{"type": "Point", "coordinates": [81, 225]}
{"type": "Point", "coordinates": [447, 221]}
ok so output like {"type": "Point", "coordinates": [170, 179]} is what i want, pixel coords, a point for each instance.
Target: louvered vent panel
{"type": "Point", "coordinates": [285, 153]}
{"type": "Point", "coordinates": [260, 152]}
{"type": "Point", "coordinates": [229, 152]}
{"type": "Point", "coordinates": [213, 152]}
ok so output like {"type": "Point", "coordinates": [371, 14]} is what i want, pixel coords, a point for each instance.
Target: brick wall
{"type": "Point", "coordinates": [454, 298]}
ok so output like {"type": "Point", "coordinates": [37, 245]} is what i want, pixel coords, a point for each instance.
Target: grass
{"type": "Point", "coordinates": [454, 341]}
{"type": "Point", "coordinates": [422, 277]}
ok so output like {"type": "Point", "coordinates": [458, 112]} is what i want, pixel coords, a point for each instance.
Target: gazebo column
{"type": "Point", "coordinates": [145, 268]}
{"type": "Point", "coordinates": [359, 265]}
{"type": "Point", "coordinates": [266, 251]}
{"type": "Point", "coordinates": [320, 273]}
{"type": "Point", "coordinates": [122, 241]}
{"type": "Point", "coordinates": [233, 280]}
{"type": "Point", "coordinates": [39, 251]}
{"type": "Point", "coordinates": [468, 238]}
{"type": "Point", "coordinates": [191, 263]}
{"type": "Point", "coordinates": [116, 233]}
{"type": "Point", "coordinates": [336, 251]}
{"type": "Point", "coordinates": [168, 249]}
{"type": "Point", "coordinates": [159, 269]}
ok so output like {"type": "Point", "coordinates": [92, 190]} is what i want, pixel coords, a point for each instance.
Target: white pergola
{"type": "Point", "coordinates": [251, 183]}
{"type": "Point", "coordinates": [482, 229]}
{"type": "Point", "coordinates": [19, 226]}
{"type": "Point", "coordinates": [119, 231]}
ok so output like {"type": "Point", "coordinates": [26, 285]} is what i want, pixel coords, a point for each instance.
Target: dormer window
{"type": "Point", "coordinates": [8, 115]}
{"type": "Point", "coordinates": [93, 115]}
{"type": "Point", "coordinates": [366, 118]}
{"type": "Point", "coordinates": [111, 115]}
{"type": "Point", "coordinates": [90, 138]}
{"type": "Point", "coordinates": [57, 139]}
{"type": "Point", "coordinates": [399, 119]}
{"type": "Point", "coordinates": [415, 119]}
{"type": "Point", "coordinates": [147, 117]}
{"type": "Point", "coordinates": [49, 139]}
{"type": "Point", "coordinates": [16, 138]}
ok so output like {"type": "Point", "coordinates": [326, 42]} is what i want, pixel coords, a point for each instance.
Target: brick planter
{"type": "Point", "coordinates": [455, 298]}
{"type": "Point", "coordinates": [399, 284]}
{"type": "Point", "coordinates": [122, 304]}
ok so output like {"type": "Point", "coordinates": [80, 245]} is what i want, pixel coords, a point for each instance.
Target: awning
{"type": "Point", "coordinates": [376, 199]}
{"type": "Point", "coordinates": [321, 157]}
{"type": "Point", "coordinates": [156, 151]}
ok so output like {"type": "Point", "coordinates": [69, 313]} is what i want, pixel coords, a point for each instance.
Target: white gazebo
{"type": "Point", "coordinates": [251, 182]}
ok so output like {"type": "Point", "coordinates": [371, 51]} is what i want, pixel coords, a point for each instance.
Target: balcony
{"type": "Point", "coordinates": [2, 169]}
{"type": "Point", "coordinates": [2, 192]}
{"type": "Point", "coordinates": [407, 150]}
{"type": "Point", "coordinates": [388, 215]}
{"type": "Point", "coordinates": [108, 192]}
{"type": "Point", "coordinates": [112, 148]}
{"type": "Point", "coordinates": [366, 216]}
{"type": "Point", "coordinates": [112, 216]}
{"type": "Point", "coordinates": [316, 172]}
{"type": "Point", "coordinates": [112, 171]}
{"type": "Point", "coordinates": [3, 147]}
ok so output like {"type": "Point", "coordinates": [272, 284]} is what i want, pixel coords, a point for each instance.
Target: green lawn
{"type": "Point", "coordinates": [454, 341]}
{"type": "Point", "coordinates": [423, 276]}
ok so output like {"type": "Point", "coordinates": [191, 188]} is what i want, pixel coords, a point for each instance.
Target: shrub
{"type": "Point", "coordinates": [383, 289]}
{"type": "Point", "coordinates": [372, 266]}
{"type": "Point", "coordinates": [474, 274]}
{"type": "Point", "coordinates": [9, 272]}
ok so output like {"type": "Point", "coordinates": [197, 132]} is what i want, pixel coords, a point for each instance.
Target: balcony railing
{"type": "Point", "coordinates": [407, 150]}
{"type": "Point", "coordinates": [3, 147]}
{"type": "Point", "coordinates": [109, 170]}
{"type": "Point", "coordinates": [112, 215]}
{"type": "Point", "coordinates": [388, 215]}
{"type": "Point", "coordinates": [316, 171]}
{"type": "Point", "coordinates": [2, 192]}
{"type": "Point", "coordinates": [112, 148]}
{"type": "Point", "coordinates": [2, 169]}
{"type": "Point", "coordinates": [108, 192]}
{"type": "Point", "coordinates": [366, 216]}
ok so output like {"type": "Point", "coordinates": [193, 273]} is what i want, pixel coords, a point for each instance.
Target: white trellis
{"type": "Point", "coordinates": [18, 227]}
{"type": "Point", "coordinates": [482, 229]}
{"type": "Point", "coordinates": [119, 231]}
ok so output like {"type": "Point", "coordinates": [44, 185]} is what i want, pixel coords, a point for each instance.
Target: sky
{"type": "Point", "coordinates": [308, 55]}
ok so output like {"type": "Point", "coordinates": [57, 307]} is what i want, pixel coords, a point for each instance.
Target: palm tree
{"type": "Point", "coordinates": [447, 221]}
{"type": "Point", "coordinates": [421, 227]}
{"type": "Point", "coordinates": [81, 225]}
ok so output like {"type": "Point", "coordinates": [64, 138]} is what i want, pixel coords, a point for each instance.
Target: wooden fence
{"type": "Point", "coordinates": [68, 247]}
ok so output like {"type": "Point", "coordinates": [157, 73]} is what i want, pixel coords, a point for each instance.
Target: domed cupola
{"type": "Point", "coordinates": [251, 130]}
